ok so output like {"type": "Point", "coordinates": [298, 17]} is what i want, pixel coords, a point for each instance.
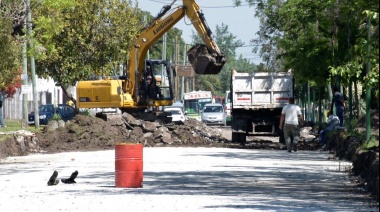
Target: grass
{"type": "Point", "coordinates": [369, 144]}
{"type": "Point", "coordinates": [15, 125]}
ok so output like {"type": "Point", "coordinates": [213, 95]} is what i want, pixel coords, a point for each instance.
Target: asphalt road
{"type": "Point", "coordinates": [183, 179]}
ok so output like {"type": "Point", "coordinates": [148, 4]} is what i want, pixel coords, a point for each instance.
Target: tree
{"type": "Point", "coordinates": [11, 19]}
{"type": "Point", "coordinates": [324, 42]}
{"type": "Point", "coordinates": [78, 39]}
{"type": "Point", "coordinates": [312, 36]}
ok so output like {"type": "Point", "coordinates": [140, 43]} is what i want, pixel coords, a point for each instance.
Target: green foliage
{"type": "Point", "coordinates": [85, 112]}
{"type": "Point", "coordinates": [370, 144]}
{"type": "Point", "coordinates": [354, 122]}
{"type": "Point", "coordinates": [320, 39]}
{"type": "Point", "coordinates": [15, 125]}
{"type": "Point", "coordinates": [56, 117]}
{"type": "Point", "coordinates": [87, 38]}
{"type": "Point", "coordinates": [156, 51]}
{"type": "Point", "coordinates": [10, 46]}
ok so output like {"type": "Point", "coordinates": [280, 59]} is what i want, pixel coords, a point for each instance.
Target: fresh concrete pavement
{"type": "Point", "coordinates": [183, 179]}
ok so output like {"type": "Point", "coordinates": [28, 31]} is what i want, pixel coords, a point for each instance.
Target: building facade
{"type": "Point", "coordinates": [47, 93]}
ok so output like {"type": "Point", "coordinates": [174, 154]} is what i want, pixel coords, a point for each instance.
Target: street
{"type": "Point", "coordinates": [183, 179]}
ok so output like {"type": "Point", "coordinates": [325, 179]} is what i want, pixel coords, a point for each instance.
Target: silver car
{"type": "Point", "coordinates": [213, 114]}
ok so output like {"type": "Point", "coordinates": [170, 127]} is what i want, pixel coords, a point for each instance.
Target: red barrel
{"type": "Point", "coordinates": [128, 165]}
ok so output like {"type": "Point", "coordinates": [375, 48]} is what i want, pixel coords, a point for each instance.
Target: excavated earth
{"type": "Point", "coordinates": [88, 133]}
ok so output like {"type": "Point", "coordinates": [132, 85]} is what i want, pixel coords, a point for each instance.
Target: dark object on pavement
{"type": "Point", "coordinates": [71, 179]}
{"type": "Point", "coordinates": [53, 179]}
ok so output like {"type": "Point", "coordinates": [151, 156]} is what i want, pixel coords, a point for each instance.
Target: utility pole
{"type": "Point", "coordinates": [183, 77]}
{"type": "Point", "coordinates": [177, 91]}
{"type": "Point", "coordinates": [25, 75]}
{"type": "Point", "coordinates": [32, 67]}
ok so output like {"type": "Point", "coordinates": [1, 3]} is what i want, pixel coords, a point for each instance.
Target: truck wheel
{"type": "Point", "coordinates": [235, 137]}
{"type": "Point", "coordinates": [239, 138]}
{"type": "Point", "coordinates": [242, 139]}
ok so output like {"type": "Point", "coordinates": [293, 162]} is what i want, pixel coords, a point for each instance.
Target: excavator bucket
{"type": "Point", "coordinates": [203, 61]}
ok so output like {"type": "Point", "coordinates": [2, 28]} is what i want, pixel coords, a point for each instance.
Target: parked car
{"type": "Point", "coordinates": [46, 112]}
{"type": "Point", "coordinates": [176, 114]}
{"type": "Point", "coordinates": [213, 114]}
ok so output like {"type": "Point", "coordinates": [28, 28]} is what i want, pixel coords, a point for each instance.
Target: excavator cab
{"type": "Point", "coordinates": [204, 61]}
{"type": "Point", "coordinates": [159, 74]}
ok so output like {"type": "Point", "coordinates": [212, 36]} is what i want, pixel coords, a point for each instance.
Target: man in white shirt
{"type": "Point", "coordinates": [291, 115]}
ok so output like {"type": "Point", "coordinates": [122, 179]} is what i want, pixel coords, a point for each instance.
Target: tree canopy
{"type": "Point", "coordinates": [320, 39]}
{"type": "Point", "coordinates": [78, 39]}
{"type": "Point", "coordinates": [11, 18]}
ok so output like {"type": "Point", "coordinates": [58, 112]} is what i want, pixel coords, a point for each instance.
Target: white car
{"type": "Point", "coordinates": [214, 114]}
{"type": "Point", "coordinates": [176, 114]}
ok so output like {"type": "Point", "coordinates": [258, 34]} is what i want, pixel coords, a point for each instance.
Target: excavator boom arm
{"type": "Point", "coordinates": [159, 26]}
{"type": "Point", "coordinates": [134, 91]}
{"type": "Point", "coordinates": [205, 59]}
{"type": "Point", "coordinates": [198, 20]}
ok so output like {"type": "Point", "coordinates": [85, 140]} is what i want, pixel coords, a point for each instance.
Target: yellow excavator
{"type": "Point", "coordinates": [149, 83]}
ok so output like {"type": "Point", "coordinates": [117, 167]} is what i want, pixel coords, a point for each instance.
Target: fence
{"type": "Point", "coordinates": [13, 107]}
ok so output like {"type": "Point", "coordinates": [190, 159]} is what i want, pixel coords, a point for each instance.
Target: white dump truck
{"type": "Point", "coordinates": [257, 101]}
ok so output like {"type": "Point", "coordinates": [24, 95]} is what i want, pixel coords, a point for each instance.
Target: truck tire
{"type": "Point", "coordinates": [235, 137]}
{"type": "Point", "coordinates": [242, 139]}
{"type": "Point", "coordinates": [238, 137]}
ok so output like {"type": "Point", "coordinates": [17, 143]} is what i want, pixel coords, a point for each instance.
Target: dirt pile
{"type": "Point", "coordinates": [86, 133]}
{"type": "Point", "coordinates": [365, 163]}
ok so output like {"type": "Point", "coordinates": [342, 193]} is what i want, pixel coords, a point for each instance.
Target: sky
{"type": "Point", "coordinates": [240, 21]}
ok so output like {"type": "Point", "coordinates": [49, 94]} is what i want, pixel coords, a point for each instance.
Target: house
{"type": "Point", "coordinates": [47, 93]}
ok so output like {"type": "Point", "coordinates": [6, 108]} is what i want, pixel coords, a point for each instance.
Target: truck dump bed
{"type": "Point", "coordinates": [261, 90]}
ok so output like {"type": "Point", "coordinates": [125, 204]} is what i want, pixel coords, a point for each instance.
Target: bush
{"type": "Point", "coordinates": [85, 112]}
{"type": "Point", "coordinates": [56, 117]}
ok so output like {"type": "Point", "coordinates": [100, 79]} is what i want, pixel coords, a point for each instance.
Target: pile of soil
{"type": "Point", "coordinates": [88, 133]}
{"type": "Point", "coordinates": [365, 163]}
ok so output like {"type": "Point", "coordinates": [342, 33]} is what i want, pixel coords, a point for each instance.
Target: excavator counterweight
{"type": "Point", "coordinates": [203, 61]}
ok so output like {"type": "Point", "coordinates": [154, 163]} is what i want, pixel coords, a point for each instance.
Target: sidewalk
{"type": "Point", "coordinates": [182, 179]}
